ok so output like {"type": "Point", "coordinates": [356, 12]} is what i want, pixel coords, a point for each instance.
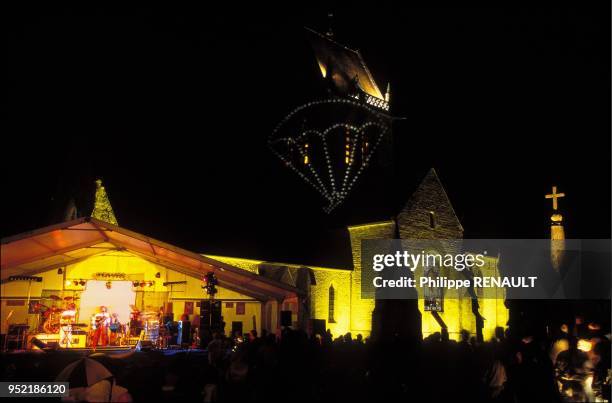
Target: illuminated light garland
{"type": "Point", "coordinates": [302, 143]}
{"type": "Point", "coordinates": [102, 207]}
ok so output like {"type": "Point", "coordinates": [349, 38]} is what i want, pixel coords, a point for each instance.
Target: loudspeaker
{"type": "Point", "coordinates": [286, 318]}
{"type": "Point", "coordinates": [205, 313]}
{"type": "Point", "coordinates": [205, 334]}
{"type": "Point", "coordinates": [210, 315]}
{"type": "Point", "coordinates": [204, 322]}
{"type": "Point", "coordinates": [210, 320]}
{"type": "Point", "coordinates": [216, 320]}
{"type": "Point", "coordinates": [184, 332]}
{"type": "Point", "coordinates": [144, 345]}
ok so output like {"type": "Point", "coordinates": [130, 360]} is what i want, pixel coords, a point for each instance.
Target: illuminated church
{"type": "Point", "coordinates": [330, 144]}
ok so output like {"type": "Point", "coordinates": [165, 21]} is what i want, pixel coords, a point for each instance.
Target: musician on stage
{"type": "Point", "coordinates": [100, 323]}
{"type": "Point", "coordinates": [135, 322]}
{"type": "Point", "coordinates": [115, 329]}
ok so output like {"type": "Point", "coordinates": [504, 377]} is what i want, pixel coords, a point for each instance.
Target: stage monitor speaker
{"type": "Point", "coordinates": [184, 332]}
{"type": "Point", "coordinates": [144, 345]}
{"type": "Point", "coordinates": [39, 343]}
{"type": "Point", "coordinates": [52, 345]}
{"type": "Point", "coordinates": [286, 318]}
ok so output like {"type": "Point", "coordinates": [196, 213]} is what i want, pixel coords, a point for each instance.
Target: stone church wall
{"type": "Point", "coordinates": [361, 309]}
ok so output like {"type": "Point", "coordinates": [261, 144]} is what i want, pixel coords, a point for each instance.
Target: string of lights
{"type": "Point", "coordinates": [296, 145]}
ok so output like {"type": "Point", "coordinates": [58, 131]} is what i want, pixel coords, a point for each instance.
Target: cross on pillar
{"type": "Point", "coordinates": [554, 196]}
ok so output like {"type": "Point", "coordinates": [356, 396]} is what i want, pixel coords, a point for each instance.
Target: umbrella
{"type": "Point", "coordinates": [83, 373]}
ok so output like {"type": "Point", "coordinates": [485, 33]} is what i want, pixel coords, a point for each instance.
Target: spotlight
{"type": "Point", "coordinates": [135, 283]}
{"type": "Point", "coordinates": [82, 282]}
{"type": "Point", "coordinates": [68, 282]}
{"type": "Point", "coordinates": [142, 284]}
{"type": "Point", "coordinates": [158, 275]}
{"type": "Point", "coordinates": [60, 271]}
{"type": "Point", "coordinates": [109, 285]}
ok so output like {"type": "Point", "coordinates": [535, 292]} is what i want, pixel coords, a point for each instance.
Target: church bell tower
{"type": "Point", "coordinates": [557, 232]}
{"type": "Point", "coordinates": [330, 142]}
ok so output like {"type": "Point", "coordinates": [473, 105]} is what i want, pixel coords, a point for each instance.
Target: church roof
{"type": "Point", "coordinates": [343, 63]}
{"type": "Point", "coordinates": [430, 197]}
{"type": "Point", "coordinates": [70, 242]}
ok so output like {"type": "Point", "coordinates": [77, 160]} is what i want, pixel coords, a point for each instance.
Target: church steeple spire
{"type": "Point", "coordinates": [557, 232]}
{"type": "Point", "coordinates": [388, 93]}
{"type": "Point", "coordinates": [102, 208]}
{"type": "Point", "coordinates": [330, 25]}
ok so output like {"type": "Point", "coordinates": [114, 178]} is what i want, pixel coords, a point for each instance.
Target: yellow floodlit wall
{"type": "Point", "coordinates": [325, 277]}
{"type": "Point", "coordinates": [319, 294]}
{"type": "Point", "coordinates": [458, 314]}
{"type": "Point", "coordinates": [361, 309]}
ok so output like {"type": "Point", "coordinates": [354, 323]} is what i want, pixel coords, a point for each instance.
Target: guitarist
{"type": "Point", "coordinates": [100, 320]}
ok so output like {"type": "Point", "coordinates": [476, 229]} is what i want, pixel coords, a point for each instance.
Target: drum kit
{"type": "Point", "coordinates": [53, 316]}
{"type": "Point", "coordinates": [151, 326]}
{"type": "Point", "coordinates": [144, 325]}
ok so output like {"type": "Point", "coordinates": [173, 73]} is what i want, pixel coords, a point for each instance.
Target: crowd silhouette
{"type": "Point", "coordinates": [293, 366]}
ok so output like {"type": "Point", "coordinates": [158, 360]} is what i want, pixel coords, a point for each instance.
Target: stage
{"type": "Point", "coordinates": [110, 351]}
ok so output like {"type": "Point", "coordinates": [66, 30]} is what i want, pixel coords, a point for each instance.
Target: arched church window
{"type": "Point", "coordinates": [432, 219]}
{"type": "Point", "coordinates": [433, 297]}
{"type": "Point", "coordinates": [332, 304]}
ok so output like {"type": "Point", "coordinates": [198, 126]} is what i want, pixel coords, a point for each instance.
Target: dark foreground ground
{"type": "Point", "coordinates": [296, 368]}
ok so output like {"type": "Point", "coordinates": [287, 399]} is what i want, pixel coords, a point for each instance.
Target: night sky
{"type": "Point", "coordinates": [173, 107]}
